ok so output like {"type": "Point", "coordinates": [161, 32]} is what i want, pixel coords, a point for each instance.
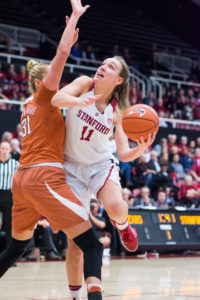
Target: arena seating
{"type": "Point", "coordinates": [128, 25]}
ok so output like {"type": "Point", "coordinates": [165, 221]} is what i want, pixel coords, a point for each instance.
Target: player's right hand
{"type": "Point", "coordinates": [89, 100]}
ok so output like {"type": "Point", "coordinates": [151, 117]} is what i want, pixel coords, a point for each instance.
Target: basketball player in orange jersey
{"type": "Point", "coordinates": [89, 163]}
{"type": "Point", "coordinates": [39, 186]}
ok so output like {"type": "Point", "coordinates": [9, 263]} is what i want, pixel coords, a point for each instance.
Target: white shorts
{"type": "Point", "coordinates": [86, 180]}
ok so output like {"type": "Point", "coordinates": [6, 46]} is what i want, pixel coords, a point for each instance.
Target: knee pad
{"type": "Point", "coordinates": [93, 251]}
{"type": "Point", "coordinates": [13, 252]}
{"type": "Point", "coordinates": [17, 247]}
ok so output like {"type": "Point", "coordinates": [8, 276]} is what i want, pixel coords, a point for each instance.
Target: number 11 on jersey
{"type": "Point", "coordinates": [86, 134]}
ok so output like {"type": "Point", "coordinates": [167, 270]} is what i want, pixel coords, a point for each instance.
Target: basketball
{"type": "Point", "coordinates": [140, 120]}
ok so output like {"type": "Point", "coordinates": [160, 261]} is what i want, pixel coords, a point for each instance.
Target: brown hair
{"type": "Point", "coordinates": [36, 71]}
{"type": "Point", "coordinates": [121, 91]}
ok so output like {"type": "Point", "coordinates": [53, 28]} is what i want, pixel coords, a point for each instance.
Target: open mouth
{"type": "Point", "coordinates": [100, 75]}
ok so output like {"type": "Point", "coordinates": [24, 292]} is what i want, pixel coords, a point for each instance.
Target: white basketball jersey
{"type": "Point", "coordinates": [88, 132]}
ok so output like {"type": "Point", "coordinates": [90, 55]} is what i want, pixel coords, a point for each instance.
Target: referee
{"type": "Point", "coordinates": [8, 166]}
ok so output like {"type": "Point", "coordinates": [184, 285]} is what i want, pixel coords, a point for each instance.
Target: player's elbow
{"type": "Point", "coordinates": [122, 157]}
{"type": "Point", "coordinates": [55, 100]}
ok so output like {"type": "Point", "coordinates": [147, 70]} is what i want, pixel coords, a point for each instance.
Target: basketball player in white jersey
{"type": "Point", "coordinates": [89, 164]}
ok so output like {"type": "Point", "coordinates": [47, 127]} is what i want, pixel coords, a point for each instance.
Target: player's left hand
{"type": "Point", "coordinates": [143, 145]}
{"type": "Point", "coordinates": [77, 8]}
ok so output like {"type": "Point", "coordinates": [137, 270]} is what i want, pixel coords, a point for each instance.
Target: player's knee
{"type": "Point", "coordinates": [74, 252]}
{"type": "Point", "coordinates": [116, 209]}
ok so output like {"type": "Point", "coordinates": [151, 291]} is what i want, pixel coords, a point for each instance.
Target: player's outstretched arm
{"type": "Point", "coordinates": [125, 153]}
{"type": "Point", "coordinates": [68, 38]}
{"type": "Point", "coordinates": [70, 94]}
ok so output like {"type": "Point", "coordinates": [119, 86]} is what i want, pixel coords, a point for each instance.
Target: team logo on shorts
{"type": "Point", "coordinates": [109, 121]}
{"type": "Point", "coordinates": [141, 111]}
{"type": "Point", "coordinates": [77, 209]}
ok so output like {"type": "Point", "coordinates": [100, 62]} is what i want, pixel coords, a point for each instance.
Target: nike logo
{"type": "Point", "coordinates": [77, 209]}
{"type": "Point", "coordinates": [141, 111]}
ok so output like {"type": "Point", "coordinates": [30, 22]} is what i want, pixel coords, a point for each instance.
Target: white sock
{"type": "Point", "coordinates": [122, 226]}
{"type": "Point", "coordinates": [75, 292]}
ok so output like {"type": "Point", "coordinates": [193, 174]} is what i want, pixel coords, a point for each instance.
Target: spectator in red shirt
{"type": "Point", "coordinates": [3, 78]}
{"type": "Point", "coordinates": [183, 145]}
{"type": "Point", "coordinates": [22, 76]}
{"type": "Point", "coordinates": [195, 170]}
{"type": "Point", "coordinates": [11, 74]}
{"type": "Point", "coordinates": [11, 90]}
{"type": "Point", "coordinates": [160, 106]}
{"type": "Point", "coordinates": [3, 106]}
{"type": "Point", "coordinates": [196, 112]}
{"type": "Point", "coordinates": [16, 133]}
{"type": "Point", "coordinates": [190, 193]}
{"type": "Point", "coordinates": [171, 141]}
{"type": "Point", "coordinates": [190, 93]}
{"type": "Point", "coordinates": [134, 93]}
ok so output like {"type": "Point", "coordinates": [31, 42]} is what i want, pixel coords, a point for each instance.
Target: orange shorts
{"type": "Point", "coordinates": [42, 191]}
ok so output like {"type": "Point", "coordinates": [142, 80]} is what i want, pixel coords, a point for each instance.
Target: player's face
{"type": "Point", "coordinates": [5, 149]}
{"type": "Point", "coordinates": [108, 72]}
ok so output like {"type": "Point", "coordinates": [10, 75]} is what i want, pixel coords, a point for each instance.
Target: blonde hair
{"type": "Point", "coordinates": [36, 71]}
{"type": "Point", "coordinates": [126, 191]}
{"type": "Point", "coordinates": [121, 91]}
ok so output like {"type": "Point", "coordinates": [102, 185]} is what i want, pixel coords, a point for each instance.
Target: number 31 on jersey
{"type": "Point", "coordinates": [26, 130]}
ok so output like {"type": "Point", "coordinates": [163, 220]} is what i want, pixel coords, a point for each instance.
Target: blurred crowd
{"type": "Point", "coordinates": [176, 103]}
{"type": "Point", "coordinates": [183, 103]}
{"type": "Point", "coordinates": [167, 175]}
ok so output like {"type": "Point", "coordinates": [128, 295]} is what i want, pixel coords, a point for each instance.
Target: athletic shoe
{"type": "Point", "coordinates": [128, 237]}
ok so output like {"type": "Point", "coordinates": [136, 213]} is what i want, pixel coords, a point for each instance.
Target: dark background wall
{"type": "Point", "coordinates": [180, 16]}
{"type": "Point", "coordinates": [9, 120]}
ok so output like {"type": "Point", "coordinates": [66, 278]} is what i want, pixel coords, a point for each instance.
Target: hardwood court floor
{"type": "Point", "coordinates": [123, 279]}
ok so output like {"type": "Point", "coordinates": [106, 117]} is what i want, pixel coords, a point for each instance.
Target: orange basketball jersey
{"type": "Point", "coordinates": [43, 130]}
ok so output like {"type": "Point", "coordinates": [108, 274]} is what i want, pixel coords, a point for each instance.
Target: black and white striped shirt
{"type": "Point", "coordinates": [7, 171]}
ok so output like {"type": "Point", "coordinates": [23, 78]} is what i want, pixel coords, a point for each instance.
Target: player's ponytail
{"type": "Point", "coordinates": [36, 71]}
{"type": "Point", "coordinates": [121, 91]}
